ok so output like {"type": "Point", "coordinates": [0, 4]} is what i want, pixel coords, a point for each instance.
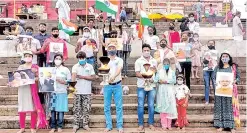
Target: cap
{"type": "Point", "coordinates": [27, 52]}
{"type": "Point", "coordinates": [111, 44]}
{"type": "Point", "coordinates": [86, 28]}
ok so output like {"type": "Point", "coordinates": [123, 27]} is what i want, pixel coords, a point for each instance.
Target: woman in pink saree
{"type": "Point", "coordinates": [28, 99]}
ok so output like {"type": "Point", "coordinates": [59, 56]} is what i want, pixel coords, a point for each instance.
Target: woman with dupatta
{"type": "Point", "coordinates": [28, 99]}
{"type": "Point", "coordinates": [226, 109]}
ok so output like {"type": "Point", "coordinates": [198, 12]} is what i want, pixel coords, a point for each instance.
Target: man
{"type": "Point", "coordinates": [15, 28]}
{"type": "Point", "coordinates": [193, 26]}
{"type": "Point", "coordinates": [84, 73]}
{"type": "Point", "coordinates": [199, 8]}
{"type": "Point", "coordinates": [114, 88]}
{"type": "Point", "coordinates": [123, 15]}
{"type": "Point", "coordinates": [237, 28]}
{"type": "Point", "coordinates": [42, 36]}
{"type": "Point", "coordinates": [152, 39]}
{"type": "Point", "coordinates": [146, 58]}
{"type": "Point", "coordinates": [63, 11]}
{"type": "Point", "coordinates": [48, 42]}
{"type": "Point", "coordinates": [209, 64]}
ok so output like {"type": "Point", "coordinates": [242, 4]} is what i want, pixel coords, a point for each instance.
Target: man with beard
{"type": "Point", "coordinates": [42, 36]}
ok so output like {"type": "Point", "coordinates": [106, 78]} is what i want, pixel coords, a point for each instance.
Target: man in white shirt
{"type": "Point", "coordinates": [237, 28]}
{"type": "Point", "coordinates": [84, 74]}
{"type": "Point", "coordinates": [63, 11]}
{"type": "Point", "coordinates": [193, 25]}
{"type": "Point", "coordinates": [146, 58]}
{"type": "Point", "coordinates": [152, 39]}
{"type": "Point", "coordinates": [114, 89]}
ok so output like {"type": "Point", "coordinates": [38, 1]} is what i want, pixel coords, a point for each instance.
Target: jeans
{"type": "Point", "coordinates": [91, 61]}
{"type": "Point", "coordinates": [49, 64]}
{"type": "Point", "coordinates": [117, 92]}
{"type": "Point", "coordinates": [56, 121]}
{"type": "Point", "coordinates": [125, 65]}
{"type": "Point", "coordinates": [207, 75]}
{"type": "Point", "coordinates": [141, 94]}
{"type": "Point", "coordinates": [186, 70]}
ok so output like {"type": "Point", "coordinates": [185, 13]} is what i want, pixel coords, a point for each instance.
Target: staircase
{"type": "Point", "coordinates": [200, 116]}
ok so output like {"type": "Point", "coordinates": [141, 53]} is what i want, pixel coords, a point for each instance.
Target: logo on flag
{"type": "Point", "coordinates": [107, 3]}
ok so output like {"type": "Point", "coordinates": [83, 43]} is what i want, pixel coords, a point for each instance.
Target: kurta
{"type": "Point", "coordinates": [223, 110]}
{"type": "Point", "coordinates": [25, 100]}
{"type": "Point", "coordinates": [166, 102]}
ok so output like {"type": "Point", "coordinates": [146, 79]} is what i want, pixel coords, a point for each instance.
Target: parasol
{"type": "Point", "coordinates": [155, 16]}
{"type": "Point", "coordinates": [174, 16]}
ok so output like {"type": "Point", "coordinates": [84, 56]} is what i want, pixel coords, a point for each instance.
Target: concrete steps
{"type": "Point", "coordinates": [127, 99]}
{"type": "Point", "coordinates": [130, 121]}
{"type": "Point", "coordinates": [128, 109]}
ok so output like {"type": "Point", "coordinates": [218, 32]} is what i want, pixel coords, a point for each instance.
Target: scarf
{"type": "Point", "coordinates": [41, 123]}
{"type": "Point", "coordinates": [235, 102]}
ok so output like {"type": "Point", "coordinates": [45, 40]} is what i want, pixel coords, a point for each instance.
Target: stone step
{"type": "Point", "coordinates": [127, 99]}
{"type": "Point", "coordinates": [134, 130]}
{"type": "Point", "coordinates": [128, 109]}
{"type": "Point", "coordinates": [195, 89]}
{"type": "Point", "coordinates": [130, 121]}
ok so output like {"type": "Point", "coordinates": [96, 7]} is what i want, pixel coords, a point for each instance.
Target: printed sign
{"type": "Point", "coordinates": [55, 48]}
{"type": "Point", "coordinates": [47, 79]}
{"type": "Point", "coordinates": [21, 77]}
{"type": "Point", "coordinates": [224, 85]}
{"type": "Point", "coordinates": [210, 60]}
{"type": "Point", "coordinates": [116, 41]}
{"type": "Point", "coordinates": [24, 43]}
{"type": "Point", "coordinates": [179, 50]}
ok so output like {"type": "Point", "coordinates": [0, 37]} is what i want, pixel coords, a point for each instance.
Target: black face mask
{"type": "Point", "coordinates": [211, 47]}
{"type": "Point", "coordinates": [171, 28]}
{"type": "Point", "coordinates": [42, 31]}
{"type": "Point", "coordinates": [55, 35]}
{"type": "Point", "coordinates": [163, 45]}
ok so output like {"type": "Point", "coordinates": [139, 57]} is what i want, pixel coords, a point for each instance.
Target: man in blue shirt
{"type": "Point", "coordinates": [123, 15]}
{"type": "Point", "coordinates": [42, 36]}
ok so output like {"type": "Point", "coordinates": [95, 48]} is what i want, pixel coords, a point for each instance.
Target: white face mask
{"type": "Point", "coordinates": [196, 38]}
{"type": "Point", "coordinates": [86, 34]}
{"type": "Point", "coordinates": [58, 62]}
{"type": "Point", "coordinates": [180, 82]}
{"type": "Point", "coordinates": [146, 54]}
{"type": "Point", "coordinates": [28, 59]}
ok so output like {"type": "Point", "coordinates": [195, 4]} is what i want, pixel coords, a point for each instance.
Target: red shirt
{"type": "Point", "coordinates": [46, 48]}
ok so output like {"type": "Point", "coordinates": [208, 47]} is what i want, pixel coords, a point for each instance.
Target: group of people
{"type": "Point", "coordinates": [170, 82]}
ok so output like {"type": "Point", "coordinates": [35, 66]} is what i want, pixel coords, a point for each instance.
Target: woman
{"type": "Point", "coordinates": [28, 99]}
{"type": "Point", "coordinates": [186, 65]}
{"type": "Point", "coordinates": [196, 56]}
{"type": "Point", "coordinates": [59, 100]}
{"type": "Point", "coordinates": [106, 34]}
{"type": "Point", "coordinates": [126, 47]}
{"type": "Point", "coordinates": [166, 102]}
{"type": "Point", "coordinates": [226, 109]}
{"type": "Point", "coordinates": [172, 36]}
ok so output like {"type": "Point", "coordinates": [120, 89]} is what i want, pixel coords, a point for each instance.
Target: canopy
{"type": "Point", "coordinates": [155, 16]}
{"type": "Point", "coordinates": [174, 16]}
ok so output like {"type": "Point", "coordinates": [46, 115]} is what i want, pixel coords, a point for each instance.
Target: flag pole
{"type": "Point", "coordinates": [86, 10]}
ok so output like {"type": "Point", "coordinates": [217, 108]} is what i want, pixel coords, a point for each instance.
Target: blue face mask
{"type": "Point", "coordinates": [166, 67]}
{"type": "Point", "coordinates": [82, 62]}
{"type": "Point", "coordinates": [29, 33]}
{"type": "Point", "coordinates": [112, 52]}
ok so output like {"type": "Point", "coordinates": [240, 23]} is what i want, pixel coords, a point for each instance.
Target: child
{"type": "Point", "coordinates": [182, 94]}
{"type": "Point", "coordinates": [195, 57]}
{"type": "Point", "coordinates": [59, 99]}
{"type": "Point", "coordinates": [166, 102]}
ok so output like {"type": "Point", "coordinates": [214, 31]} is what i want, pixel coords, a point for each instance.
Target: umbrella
{"type": "Point", "coordinates": [155, 16]}
{"type": "Point", "coordinates": [174, 16]}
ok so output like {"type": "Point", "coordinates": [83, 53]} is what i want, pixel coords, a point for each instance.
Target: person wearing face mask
{"type": "Point", "coordinates": [196, 56]}
{"type": "Point", "coordinates": [28, 99]}
{"type": "Point", "coordinates": [86, 35]}
{"type": "Point", "coordinates": [54, 39]}
{"type": "Point", "coordinates": [59, 104]}
{"type": "Point", "coordinates": [182, 93]}
{"type": "Point", "coordinates": [165, 99]}
{"type": "Point", "coordinates": [42, 36]}
{"type": "Point", "coordinates": [106, 33]}
{"type": "Point", "coordinates": [193, 25]}
{"type": "Point", "coordinates": [172, 36]}
{"type": "Point", "coordinates": [127, 41]}
{"type": "Point", "coordinates": [209, 63]}
{"type": "Point", "coordinates": [226, 109]}
{"type": "Point", "coordinates": [152, 39]}
{"type": "Point", "coordinates": [84, 74]}
{"type": "Point", "coordinates": [114, 89]}
{"type": "Point", "coordinates": [146, 58]}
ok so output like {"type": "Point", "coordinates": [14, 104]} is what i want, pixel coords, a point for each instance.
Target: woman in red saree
{"type": "Point", "coordinates": [28, 99]}
{"type": "Point", "coordinates": [172, 36]}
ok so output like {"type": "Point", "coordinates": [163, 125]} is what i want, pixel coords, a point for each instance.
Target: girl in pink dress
{"type": "Point", "coordinates": [195, 57]}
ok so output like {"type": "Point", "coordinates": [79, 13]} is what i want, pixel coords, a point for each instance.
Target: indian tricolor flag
{"type": "Point", "coordinates": [110, 6]}
{"type": "Point", "coordinates": [67, 27]}
{"type": "Point", "coordinates": [144, 19]}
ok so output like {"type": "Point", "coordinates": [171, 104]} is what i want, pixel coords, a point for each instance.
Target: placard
{"type": "Point", "coordinates": [55, 48]}
{"type": "Point", "coordinates": [23, 44]}
{"type": "Point", "coordinates": [47, 79]}
{"type": "Point", "coordinates": [21, 78]}
{"type": "Point", "coordinates": [210, 60]}
{"type": "Point", "coordinates": [224, 81]}
{"type": "Point", "coordinates": [116, 41]}
{"type": "Point", "coordinates": [179, 50]}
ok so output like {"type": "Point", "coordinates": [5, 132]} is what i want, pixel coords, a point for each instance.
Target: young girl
{"type": "Point", "coordinates": [166, 102]}
{"type": "Point", "coordinates": [195, 57]}
{"type": "Point", "coordinates": [182, 94]}
{"type": "Point", "coordinates": [59, 100]}
{"type": "Point", "coordinates": [28, 99]}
